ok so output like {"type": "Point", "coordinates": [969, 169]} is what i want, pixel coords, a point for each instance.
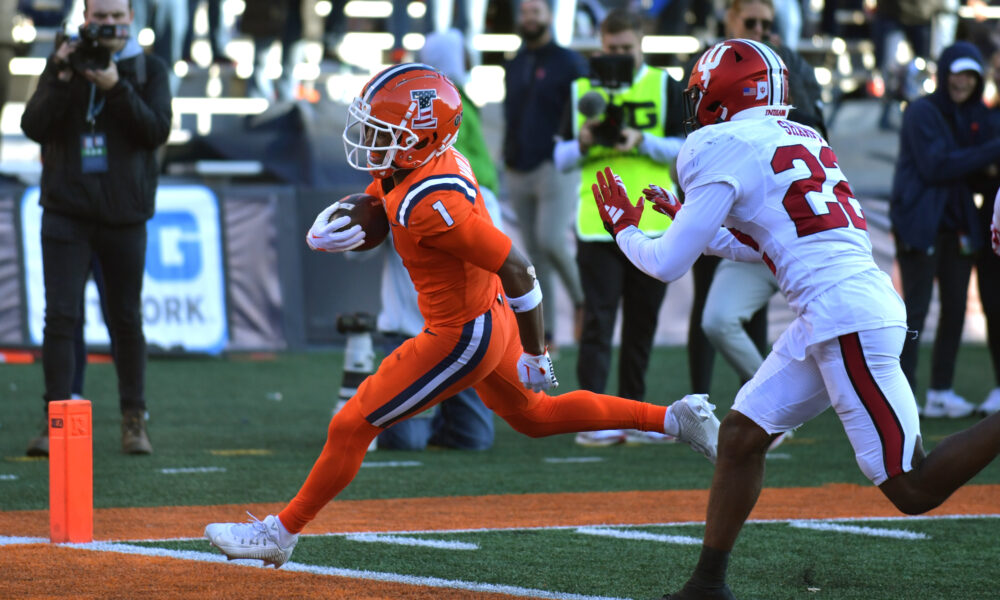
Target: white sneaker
{"type": "Point", "coordinates": [991, 405]}
{"type": "Point", "coordinates": [946, 404]}
{"type": "Point", "coordinates": [635, 436]}
{"type": "Point", "coordinates": [600, 439]}
{"type": "Point", "coordinates": [698, 425]}
{"type": "Point", "coordinates": [256, 539]}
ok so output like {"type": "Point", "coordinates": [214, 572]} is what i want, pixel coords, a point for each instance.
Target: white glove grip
{"type": "Point", "coordinates": [323, 235]}
{"type": "Point", "coordinates": [535, 372]}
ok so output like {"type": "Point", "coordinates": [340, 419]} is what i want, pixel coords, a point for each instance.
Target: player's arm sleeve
{"type": "Point", "coordinates": [660, 149]}
{"type": "Point", "coordinates": [695, 228]}
{"type": "Point", "coordinates": [474, 240]}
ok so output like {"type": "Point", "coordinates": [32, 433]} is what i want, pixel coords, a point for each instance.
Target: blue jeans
{"type": "Point", "coordinates": [462, 422]}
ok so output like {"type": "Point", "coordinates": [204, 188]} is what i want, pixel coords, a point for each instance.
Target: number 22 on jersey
{"type": "Point", "coordinates": [842, 210]}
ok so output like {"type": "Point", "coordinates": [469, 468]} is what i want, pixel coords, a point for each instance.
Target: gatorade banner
{"type": "Point", "coordinates": [183, 296]}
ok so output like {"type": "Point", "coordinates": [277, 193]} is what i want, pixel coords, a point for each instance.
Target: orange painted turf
{"type": "Point", "coordinates": [69, 573]}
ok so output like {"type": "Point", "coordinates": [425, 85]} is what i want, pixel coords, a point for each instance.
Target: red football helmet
{"type": "Point", "coordinates": [732, 76]}
{"type": "Point", "coordinates": [406, 115]}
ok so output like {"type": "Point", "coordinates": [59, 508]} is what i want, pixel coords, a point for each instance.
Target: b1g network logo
{"type": "Point", "coordinates": [183, 295]}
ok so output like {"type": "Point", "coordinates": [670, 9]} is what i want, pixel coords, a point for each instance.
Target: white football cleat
{"type": "Point", "coordinates": [255, 539]}
{"type": "Point", "coordinates": [991, 404]}
{"type": "Point", "coordinates": [946, 404]}
{"type": "Point", "coordinates": [698, 425]}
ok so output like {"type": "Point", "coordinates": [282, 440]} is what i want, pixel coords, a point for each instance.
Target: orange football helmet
{"type": "Point", "coordinates": [732, 76]}
{"type": "Point", "coordinates": [405, 115]}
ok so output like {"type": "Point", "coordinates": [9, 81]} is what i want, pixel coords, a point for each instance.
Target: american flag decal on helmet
{"type": "Point", "coordinates": [424, 119]}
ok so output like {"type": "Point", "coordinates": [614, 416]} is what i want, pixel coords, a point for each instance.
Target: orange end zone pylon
{"type": "Point", "coordinates": [71, 469]}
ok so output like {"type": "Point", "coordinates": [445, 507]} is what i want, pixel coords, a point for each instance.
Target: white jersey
{"type": "Point", "coordinates": [776, 187]}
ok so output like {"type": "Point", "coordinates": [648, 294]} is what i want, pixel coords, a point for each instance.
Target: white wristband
{"type": "Point", "coordinates": [528, 301]}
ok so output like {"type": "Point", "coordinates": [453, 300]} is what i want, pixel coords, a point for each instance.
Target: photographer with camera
{"type": "Point", "coordinates": [629, 116]}
{"type": "Point", "coordinates": [100, 111]}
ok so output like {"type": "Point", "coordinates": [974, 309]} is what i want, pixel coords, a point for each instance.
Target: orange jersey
{"type": "Point", "coordinates": [443, 233]}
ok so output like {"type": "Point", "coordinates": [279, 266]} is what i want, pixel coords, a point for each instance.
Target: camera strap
{"type": "Point", "coordinates": [93, 145]}
{"type": "Point", "coordinates": [94, 108]}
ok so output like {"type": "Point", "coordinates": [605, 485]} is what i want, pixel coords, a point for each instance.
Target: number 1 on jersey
{"type": "Point", "coordinates": [841, 213]}
{"type": "Point", "coordinates": [439, 206]}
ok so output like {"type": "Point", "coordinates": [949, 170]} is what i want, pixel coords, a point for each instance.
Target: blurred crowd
{"type": "Point", "coordinates": [280, 31]}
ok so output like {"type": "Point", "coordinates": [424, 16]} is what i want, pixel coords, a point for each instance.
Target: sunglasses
{"type": "Point", "coordinates": [752, 22]}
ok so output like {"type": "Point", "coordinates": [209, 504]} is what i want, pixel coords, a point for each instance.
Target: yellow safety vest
{"type": "Point", "coordinates": [645, 107]}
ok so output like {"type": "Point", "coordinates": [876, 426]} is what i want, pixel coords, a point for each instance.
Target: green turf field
{"type": "Point", "coordinates": [231, 431]}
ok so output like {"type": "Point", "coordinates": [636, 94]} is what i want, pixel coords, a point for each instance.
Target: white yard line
{"type": "Point", "coordinates": [902, 534]}
{"type": "Point", "coordinates": [632, 534]}
{"type": "Point", "coordinates": [186, 470]}
{"type": "Point", "coordinates": [374, 538]}
{"type": "Point", "coordinates": [393, 463]}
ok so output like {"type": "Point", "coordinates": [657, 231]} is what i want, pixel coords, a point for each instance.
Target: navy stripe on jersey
{"type": "Point", "coordinates": [463, 358]}
{"type": "Point", "coordinates": [435, 183]}
{"type": "Point", "coordinates": [887, 424]}
{"type": "Point", "coordinates": [385, 76]}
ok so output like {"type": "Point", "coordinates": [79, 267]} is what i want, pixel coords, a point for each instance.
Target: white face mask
{"type": "Point", "coordinates": [367, 153]}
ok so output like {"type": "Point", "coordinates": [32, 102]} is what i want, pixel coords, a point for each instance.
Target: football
{"type": "Point", "coordinates": [365, 210]}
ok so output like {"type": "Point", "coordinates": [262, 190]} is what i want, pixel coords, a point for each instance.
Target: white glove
{"type": "Point", "coordinates": [535, 371]}
{"type": "Point", "coordinates": [324, 236]}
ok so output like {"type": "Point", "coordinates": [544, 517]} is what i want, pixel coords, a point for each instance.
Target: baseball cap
{"type": "Point", "coordinates": [966, 64]}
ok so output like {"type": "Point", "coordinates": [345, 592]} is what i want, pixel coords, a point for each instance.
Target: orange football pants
{"type": "Point", "coordinates": [435, 365]}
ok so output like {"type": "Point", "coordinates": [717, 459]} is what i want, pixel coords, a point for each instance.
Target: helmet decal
{"type": "Point", "coordinates": [424, 119]}
{"type": "Point", "coordinates": [711, 59]}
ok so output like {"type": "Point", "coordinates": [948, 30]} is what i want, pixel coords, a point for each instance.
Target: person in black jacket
{"type": "Point", "coordinates": [99, 129]}
{"type": "Point", "coordinates": [946, 146]}
{"type": "Point", "coordinates": [538, 81]}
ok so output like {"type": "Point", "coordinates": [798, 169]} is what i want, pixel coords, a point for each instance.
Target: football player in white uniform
{"type": "Point", "coordinates": [760, 187]}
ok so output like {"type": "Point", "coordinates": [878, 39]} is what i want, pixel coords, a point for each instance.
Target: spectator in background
{"type": "Point", "coordinates": [167, 19]}
{"type": "Point", "coordinates": [8, 8]}
{"type": "Point", "coordinates": [913, 18]}
{"type": "Point", "coordinates": [642, 151]}
{"type": "Point", "coordinates": [946, 145]}
{"type": "Point", "coordinates": [267, 22]}
{"type": "Point", "coordinates": [334, 28]}
{"type": "Point", "coordinates": [787, 22]}
{"type": "Point", "coordinates": [216, 33]}
{"type": "Point", "coordinates": [99, 131]}
{"type": "Point", "coordinates": [538, 81]}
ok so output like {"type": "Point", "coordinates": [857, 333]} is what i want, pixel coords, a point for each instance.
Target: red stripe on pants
{"type": "Point", "coordinates": [878, 407]}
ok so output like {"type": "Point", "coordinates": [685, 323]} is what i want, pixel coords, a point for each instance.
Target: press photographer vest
{"type": "Point", "coordinates": [645, 107]}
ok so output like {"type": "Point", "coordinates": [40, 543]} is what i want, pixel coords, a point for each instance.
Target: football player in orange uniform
{"type": "Point", "coordinates": [477, 293]}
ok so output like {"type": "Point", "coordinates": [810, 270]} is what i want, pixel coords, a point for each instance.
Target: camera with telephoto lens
{"type": "Point", "coordinates": [90, 53]}
{"type": "Point", "coordinates": [359, 322]}
{"type": "Point", "coordinates": [612, 73]}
